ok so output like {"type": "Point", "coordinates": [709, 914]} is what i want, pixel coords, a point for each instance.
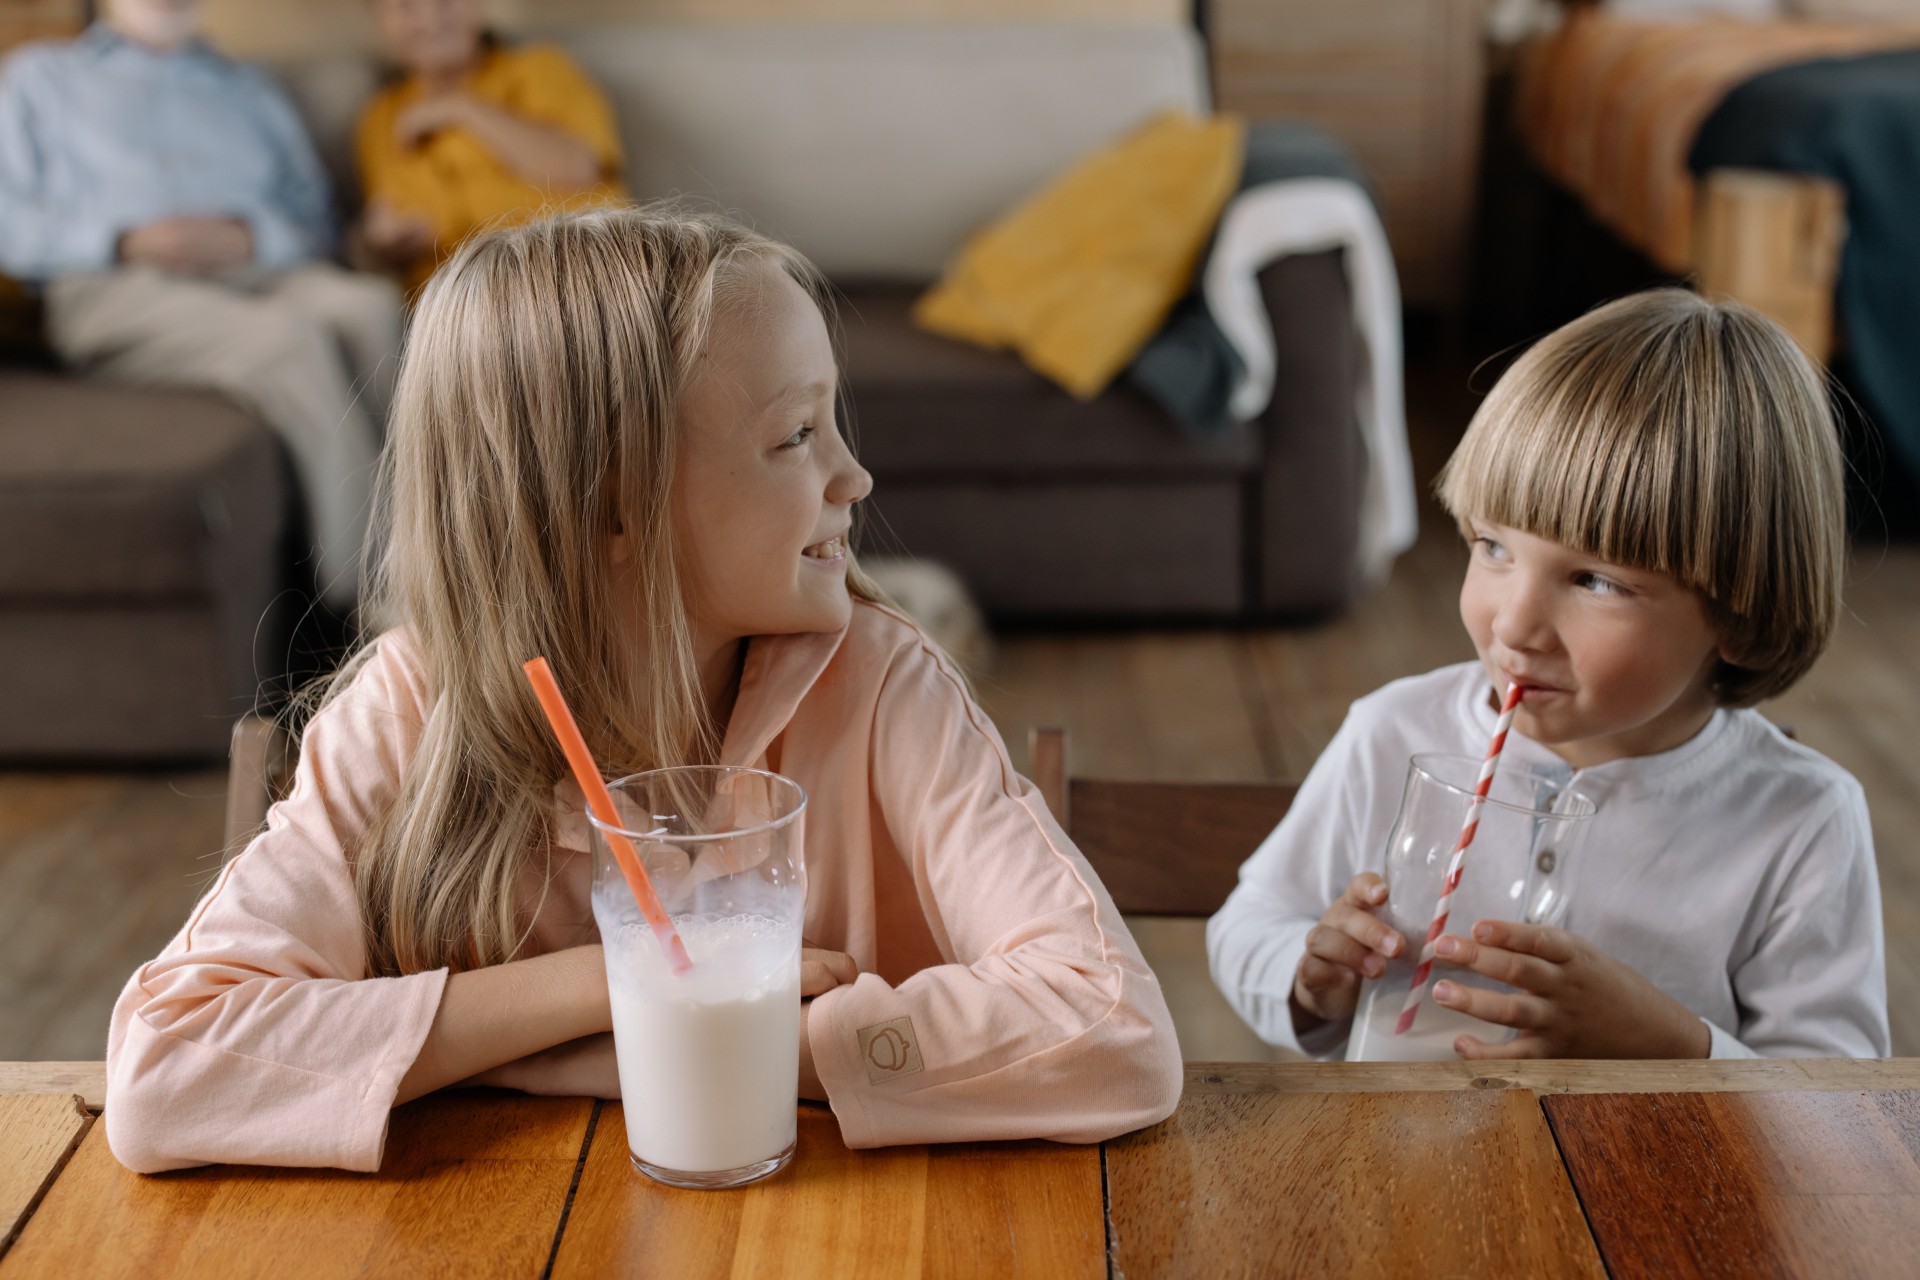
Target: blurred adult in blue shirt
{"type": "Point", "coordinates": [170, 205]}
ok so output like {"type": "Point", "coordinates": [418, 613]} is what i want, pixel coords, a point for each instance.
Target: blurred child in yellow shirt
{"type": "Point", "coordinates": [476, 132]}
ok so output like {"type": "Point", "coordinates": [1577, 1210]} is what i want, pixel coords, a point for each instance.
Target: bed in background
{"type": "Point", "coordinates": [1731, 149]}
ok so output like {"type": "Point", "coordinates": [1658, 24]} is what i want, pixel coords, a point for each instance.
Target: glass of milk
{"type": "Point", "coordinates": [709, 1060]}
{"type": "Point", "coordinates": [1517, 868]}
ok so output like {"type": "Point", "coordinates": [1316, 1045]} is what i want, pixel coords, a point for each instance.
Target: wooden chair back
{"type": "Point", "coordinates": [259, 772]}
{"type": "Point", "coordinates": [1161, 848]}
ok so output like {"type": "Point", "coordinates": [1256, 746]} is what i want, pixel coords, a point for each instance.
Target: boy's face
{"type": "Point", "coordinates": [1617, 660]}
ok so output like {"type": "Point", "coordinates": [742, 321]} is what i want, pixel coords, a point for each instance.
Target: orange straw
{"type": "Point", "coordinates": [600, 800]}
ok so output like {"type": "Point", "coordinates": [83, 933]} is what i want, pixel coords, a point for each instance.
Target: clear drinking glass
{"type": "Point", "coordinates": [709, 1060]}
{"type": "Point", "coordinates": [1517, 868]}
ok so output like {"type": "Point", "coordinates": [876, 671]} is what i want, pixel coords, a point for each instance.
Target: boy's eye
{"type": "Point", "coordinates": [1598, 585]}
{"type": "Point", "coordinates": [1488, 547]}
{"type": "Point", "coordinates": [798, 438]}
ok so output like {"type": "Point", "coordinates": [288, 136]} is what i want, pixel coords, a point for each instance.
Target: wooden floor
{"type": "Point", "coordinates": [98, 870]}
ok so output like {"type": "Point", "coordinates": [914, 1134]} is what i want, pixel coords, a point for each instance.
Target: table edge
{"type": "Point", "coordinates": [88, 1080]}
{"type": "Point", "coordinates": [1556, 1076]}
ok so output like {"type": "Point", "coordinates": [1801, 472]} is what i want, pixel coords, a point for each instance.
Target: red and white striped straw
{"type": "Point", "coordinates": [1424, 971]}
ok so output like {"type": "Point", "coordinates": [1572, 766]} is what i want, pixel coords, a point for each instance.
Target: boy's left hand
{"type": "Point", "coordinates": [1574, 1001]}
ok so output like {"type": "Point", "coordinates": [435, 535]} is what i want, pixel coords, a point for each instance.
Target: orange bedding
{"type": "Point", "coordinates": [1609, 107]}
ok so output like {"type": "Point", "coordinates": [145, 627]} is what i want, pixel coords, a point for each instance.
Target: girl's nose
{"type": "Point", "coordinates": [850, 482]}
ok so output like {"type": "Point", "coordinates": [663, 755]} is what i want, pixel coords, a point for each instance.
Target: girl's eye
{"type": "Point", "coordinates": [1489, 548]}
{"type": "Point", "coordinates": [1598, 585]}
{"type": "Point", "coordinates": [798, 438]}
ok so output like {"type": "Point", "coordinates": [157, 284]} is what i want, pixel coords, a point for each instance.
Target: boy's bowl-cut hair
{"type": "Point", "coordinates": [1693, 438]}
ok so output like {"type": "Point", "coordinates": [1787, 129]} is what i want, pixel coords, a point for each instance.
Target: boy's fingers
{"type": "Point", "coordinates": [1550, 944]}
{"type": "Point", "coordinates": [1473, 1048]}
{"type": "Point", "coordinates": [1529, 973]}
{"type": "Point", "coordinates": [1502, 1008]}
{"type": "Point", "coordinates": [1327, 943]}
{"type": "Point", "coordinates": [1365, 928]}
{"type": "Point", "coordinates": [1323, 976]}
{"type": "Point", "coordinates": [1366, 890]}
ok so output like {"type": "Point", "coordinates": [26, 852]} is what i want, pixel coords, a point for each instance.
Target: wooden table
{"type": "Point", "coordinates": [1551, 1169]}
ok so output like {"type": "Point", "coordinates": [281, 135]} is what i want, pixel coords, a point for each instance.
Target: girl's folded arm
{"type": "Point", "coordinates": [1047, 1022]}
{"type": "Point", "coordinates": [258, 1035]}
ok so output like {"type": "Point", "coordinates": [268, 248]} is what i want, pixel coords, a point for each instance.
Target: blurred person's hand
{"type": "Point", "coordinates": [195, 245]}
{"type": "Point", "coordinates": [422, 119]}
{"type": "Point", "coordinates": [396, 237]}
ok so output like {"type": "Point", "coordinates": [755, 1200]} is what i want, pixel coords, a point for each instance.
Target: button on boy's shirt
{"type": "Point", "coordinates": [99, 135]}
{"type": "Point", "coordinates": [1735, 872]}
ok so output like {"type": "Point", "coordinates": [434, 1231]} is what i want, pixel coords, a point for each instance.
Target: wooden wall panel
{"type": "Point", "coordinates": [1400, 82]}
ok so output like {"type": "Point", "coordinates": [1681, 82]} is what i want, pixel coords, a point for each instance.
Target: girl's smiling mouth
{"type": "Point", "coordinates": [833, 550]}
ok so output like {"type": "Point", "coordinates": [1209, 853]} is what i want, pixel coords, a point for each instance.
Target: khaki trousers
{"type": "Point", "coordinates": [312, 351]}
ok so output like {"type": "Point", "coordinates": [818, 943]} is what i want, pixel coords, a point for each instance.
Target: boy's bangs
{"type": "Point", "coordinates": [1595, 475]}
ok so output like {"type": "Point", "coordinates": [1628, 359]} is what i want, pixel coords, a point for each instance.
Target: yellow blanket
{"type": "Point", "coordinates": [1078, 276]}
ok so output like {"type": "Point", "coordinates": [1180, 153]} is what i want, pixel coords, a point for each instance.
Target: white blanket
{"type": "Point", "coordinates": [1310, 215]}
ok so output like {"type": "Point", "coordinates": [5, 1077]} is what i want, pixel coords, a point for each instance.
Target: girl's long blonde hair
{"type": "Point", "coordinates": [535, 415]}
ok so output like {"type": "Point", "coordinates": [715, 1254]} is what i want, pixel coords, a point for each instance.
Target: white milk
{"type": "Point", "coordinates": [1435, 1027]}
{"type": "Point", "coordinates": [709, 1062]}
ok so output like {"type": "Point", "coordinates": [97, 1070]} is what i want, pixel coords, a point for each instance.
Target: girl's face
{"type": "Point", "coordinates": [432, 37]}
{"type": "Point", "coordinates": [1617, 661]}
{"type": "Point", "coordinates": [764, 492]}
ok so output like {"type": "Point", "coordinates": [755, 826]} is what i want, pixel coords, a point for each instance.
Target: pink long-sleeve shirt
{"type": "Point", "coordinates": [983, 937]}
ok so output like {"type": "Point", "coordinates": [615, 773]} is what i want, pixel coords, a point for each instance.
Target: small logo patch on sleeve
{"type": "Point", "coordinates": [889, 1050]}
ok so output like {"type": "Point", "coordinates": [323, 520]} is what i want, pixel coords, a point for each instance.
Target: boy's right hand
{"type": "Point", "coordinates": [1347, 945]}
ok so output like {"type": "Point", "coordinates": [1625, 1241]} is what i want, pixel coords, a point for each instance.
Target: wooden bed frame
{"type": "Point", "coordinates": [1772, 241]}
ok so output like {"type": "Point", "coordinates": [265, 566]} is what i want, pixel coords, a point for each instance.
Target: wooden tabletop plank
{"type": "Point", "coordinates": [473, 1185]}
{"type": "Point", "coordinates": [87, 1079]}
{"type": "Point", "coordinates": [1256, 1184]}
{"type": "Point", "coordinates": [1000, 1209]}
{"type": "Point", "coordinates": [1740, 1184]}
{"type": "Point", "coordinates": [1567, 1076]}
{"type": "Point", "coordinates": [38, 1133]}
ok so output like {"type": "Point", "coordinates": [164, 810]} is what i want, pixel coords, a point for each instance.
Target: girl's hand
{"type": "Point", "coordinates": [1347, 945]}
{"type": "Point", "coordinates": [822, 970]}
{"type": "Point", "coordinates": [1574, 1001]}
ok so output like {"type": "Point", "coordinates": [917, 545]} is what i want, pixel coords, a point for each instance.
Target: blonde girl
{"type": "Point", "coordinates": [614, 444]}
{"type": "Point", "coordinates": [1652, 497]}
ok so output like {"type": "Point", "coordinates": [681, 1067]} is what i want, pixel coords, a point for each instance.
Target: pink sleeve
{"type": "Point", "coordinates": [1047, 1022]}
{"type": "Point", "coordinates": [257, 1037]}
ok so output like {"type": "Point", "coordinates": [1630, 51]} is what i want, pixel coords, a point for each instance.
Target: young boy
{"type": "Point", "coordinates": [1653, 498]}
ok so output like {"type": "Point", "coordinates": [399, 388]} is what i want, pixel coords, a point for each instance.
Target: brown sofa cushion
{"type": "Point", "coordinates": [928, 406]}
{"type": "Point", "coordinates": [131, 493]}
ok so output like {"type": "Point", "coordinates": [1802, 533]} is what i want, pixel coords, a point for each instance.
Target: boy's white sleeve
{"type": "Point", "coordinates": [1255, 941]}
{"type": "Point", "coordinates": [1815, 986]}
